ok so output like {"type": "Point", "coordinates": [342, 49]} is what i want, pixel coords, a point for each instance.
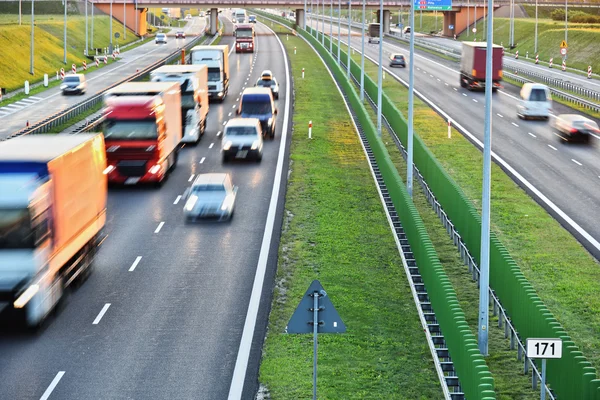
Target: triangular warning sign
{"type": "Point", "coordinates": [563, 44]}
{"type": "Point", "coordinates": [329, 320]}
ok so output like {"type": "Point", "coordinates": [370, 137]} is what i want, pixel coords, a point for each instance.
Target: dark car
{"type": "Point", "coordinates": [397, 60]}
{"type": "Point", "coordinates": [252, 19]}
{"type": "Point", "coordinates": [267, 80]}
{"type": "Point", "coordinates": [180, 35]}
{"type": "Point", "coordinates": [257, 102]}
{"type": "Point", "coordinates": [573, 127]}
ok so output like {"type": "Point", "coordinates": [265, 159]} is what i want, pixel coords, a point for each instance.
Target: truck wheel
{"type": "Point", "coordinates": [175, 159]}
{"type": "Point", "coordinates": [462, 82]}
{"type": "Point", "coordinates": [225, 158]}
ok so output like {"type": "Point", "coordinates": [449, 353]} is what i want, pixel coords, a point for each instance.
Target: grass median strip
{"type": "Point", "coordinates": [562, 272]}
{"type": "Point", "coordinates": [335, 230]}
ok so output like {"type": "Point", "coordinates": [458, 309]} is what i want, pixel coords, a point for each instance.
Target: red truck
{"type": "Point", "coordinates": [244, 38]}
{"type": "Point", "coordinates": [141, 144]}
{"type": "Point", "coordinates": [472, 65]}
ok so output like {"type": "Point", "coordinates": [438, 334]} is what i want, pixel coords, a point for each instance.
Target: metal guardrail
{"type": "Point", "coordinates": [61, 117]}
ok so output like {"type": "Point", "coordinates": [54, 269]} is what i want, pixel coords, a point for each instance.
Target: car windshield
{"type": "Point", "coordinates": [71, 79]}
{"type": "Point", "coordinates": [252, 107]}
{"type": "Point", "coordinates": [125, 130]}
{"type": "Point", "coordinates": [266, 82]}
{"type": "Point", "coordinates": [160, 36]}
{"type": "Point", "coordinates": [399, 57]}
{"type": "Point", "coordinates": [243, 33]}
{"type": "Point", "coordinates": [208, 188]}
{"type": "Point", "coordinates": [241, 131]}
{"type": "Point", "coordinates": [16, 230]}
{"type": "Point", "coordinates": [214, 74]}
{"type": "Point", "coordinates": [538, 95]}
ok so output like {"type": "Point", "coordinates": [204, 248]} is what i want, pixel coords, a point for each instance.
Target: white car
{"type": "Point", "coordinates": [160, 38]}
{"type": "Point", "coordinates": [210, 196]}
{"type": "Point", "coordinates": [535, 101]}
{"type": "Point", "coordinates": [242, 138]}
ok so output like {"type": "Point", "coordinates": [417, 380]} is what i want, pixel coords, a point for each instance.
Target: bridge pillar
{"type": "Point", "coordinates": [386, 21]}
{"type": "Point", "coordinates": [300, 17]}
{"type": "Point", "coordinates": [449, 20]}
{"type": "Point", "coordinates": [214, 20]}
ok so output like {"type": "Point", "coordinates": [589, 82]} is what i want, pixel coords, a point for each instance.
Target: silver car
{"type": "Point", "coordinates": [160, 38]}
{"type": "Point", "coordinates": [210, 196]}
{"type": "Point", "coordinates": [74, 84]}
{"type": "Point", "coordinates": [242, 138]}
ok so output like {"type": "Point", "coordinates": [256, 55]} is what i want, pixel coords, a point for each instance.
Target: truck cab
{"type": "Point", "coordinates": [244, 38]}
{"type": "Point", "coordinates": [216, 59]}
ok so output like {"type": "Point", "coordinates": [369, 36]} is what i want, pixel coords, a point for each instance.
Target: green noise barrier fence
{"type": "Point", "coordinates": [572, 376]}
{"type": "Point", "coordinates": [475, 378]}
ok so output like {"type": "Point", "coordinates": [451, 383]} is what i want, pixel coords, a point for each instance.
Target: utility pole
{"type": "Point", "coordinates": [379, 75]}
{"type": "Point", "coordinates": [349, 37]}
{"type": "Point", "coordinates": [111, 32]}
{"type": "Point", "coordinates": [566, 22]}
{"type": "Point", "coordinates": [32, 41]}
{"type": "Point", "coordinates": [411, 85]}
{"type": "Point", "coordinates": [331, 27]}
{"type": "Point", "coordinates": [362, 56]}
{"type": "Point", "coordinates": [92, 24]}
{"type": "Point", "coordinates": [65, 32]}
{"type": "Point", "coordinates": [20, 11]}
{"type": "Point", "coordinates": [124, 20]}
{"type": "Point", "coordinates": [536, 28]}
{"type": "Point", "coordinates": [86, 28]}
{"type": "Point", "coordinates": [339, 28]}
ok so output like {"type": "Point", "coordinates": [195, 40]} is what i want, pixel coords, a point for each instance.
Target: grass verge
{"type": "Point", "coordinates": [48, 50]}
{"type": "Point", "coordinates": [562, 272]}
{"type": "Point", "coordinates": [75, 120]}
{"type": "Point", "coordinates": [335, 231]}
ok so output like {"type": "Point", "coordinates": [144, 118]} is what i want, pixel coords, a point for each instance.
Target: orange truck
{"type": "Point", "coordinates": [142, 129]}
{"type": "Point", "coordinates": [53, 194]}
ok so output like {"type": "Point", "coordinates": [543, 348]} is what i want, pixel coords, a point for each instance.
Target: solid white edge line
{"type": "Point", "coordinates": [53, 384]}
{"type": "Point", "coordinates": [159, 227]}
{"type": "Point", "coordinates": [136, 262]}
{"type": "Point", "coordinates": [432, 348]}
{"type": "Point", "coordinates": [177, 199]}
{"type": "Point", "coordinates": [503, 164]}
{"type": "Point", "coordinates": [241, 362]}
{"type": "Point", "coordinates": [102, 312]}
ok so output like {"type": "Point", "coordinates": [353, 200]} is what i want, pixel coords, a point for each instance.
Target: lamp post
{"type": "Point", "coordinates": [32, 42]}
{"type": "Point", "coordinates": [349, 25]}
{"type": "Point", "coordinates": [380, 72]}
{"type": "Point", "coordinates": [65, 33]}
{"type": "Point", "coordinates": [124, 21]}
{"type": "Point", "coordinates": [331, 27]}
{"type": "Point", "coordinates": [362, 56]}
{"type": "Point", "coordinates": [86, 29]}
{"type": "Point", "coordinates": [92, 24]}
{"type": "Point", "coordinates": [111, 32]}
{"type": "Point", "coordinates": [411, 83]}
{"type": "Point", "coordinates": [339, 28]}
{"type": "Point", "coordinates": [536, 28]}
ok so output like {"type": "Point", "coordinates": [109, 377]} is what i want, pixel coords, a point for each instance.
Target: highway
{"type": "Point", "coordinates": [35, 108]}
{"type": "Point", "coordinates": [163, 313]}
{"type": "Point", "coordinates": [567, 174]}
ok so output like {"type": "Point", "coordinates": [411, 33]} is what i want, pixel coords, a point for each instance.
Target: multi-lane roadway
{"type": "Point", "coordinates": [171, 310]}
{"type": "Point", "coordinates": [34, 108]}
{"type": "Point", "coordinates": [567, 175]}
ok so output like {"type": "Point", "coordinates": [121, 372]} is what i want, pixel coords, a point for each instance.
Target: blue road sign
{"type": "Point", "coordinates": [433, 5]}
{"type": "Point", "coordinates": [450, 27]}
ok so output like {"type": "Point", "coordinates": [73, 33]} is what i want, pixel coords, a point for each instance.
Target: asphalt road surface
{"type": "Point", "coordinates": [162, 315]}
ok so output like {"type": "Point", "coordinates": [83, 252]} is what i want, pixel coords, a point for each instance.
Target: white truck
{"type": "Point", "coordinates": [193, 80]}
{"type": "Point", "coordinates": [240, 16]}
{"type": "Point", "coordinates": [216, 58]}
{"type": "Point", "coordinates": [53, 194]}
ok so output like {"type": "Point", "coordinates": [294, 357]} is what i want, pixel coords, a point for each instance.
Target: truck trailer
{"type": "Point", "coordinates": [216, 58]}
{"type": "Point", "coordinates": [193, 81]}
{"type": "Point", "coordinates": [53, 194]}
{"type": "Point", "coordinates": [374, 33]}
{"type": "Point", "coordinates": [473, 65]}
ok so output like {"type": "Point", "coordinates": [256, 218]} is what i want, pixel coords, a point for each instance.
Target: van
{"type": "Point", "coordinates": [535, 101]}
{"type": "Point", "coordinates": [73, 84]}
{"type": "Point", "coordinates": [257, 102]}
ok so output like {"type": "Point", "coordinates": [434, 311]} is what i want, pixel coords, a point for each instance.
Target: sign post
{"type": "Point", "coordinates": [315, 314]}
{"type": "Point", "coordinates": [563, 49]}
{"type": "Point", "coordinates": [544, 349]}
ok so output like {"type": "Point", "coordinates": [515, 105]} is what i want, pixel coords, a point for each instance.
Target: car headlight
{"type": "Point", "coordinates": [227, 145]}
{"type": "Point", "coordinates": [255, 145]}
{"type": "Point", "coordinates": [220, 94]}
{"type": "Point", "coordinates": [63, 86]}
{"type": "Point", "coordinates": [270, 121]}
{"type": "Point", "coordinates": [227, 203]}
{"type": "Point", "coordinates": [275, 89]}
{"type": "Point", "coordinates": [189, 205]}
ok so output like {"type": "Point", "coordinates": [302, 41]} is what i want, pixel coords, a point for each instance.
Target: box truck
{"type": "Point", "coordinates": [216, 58]}
{"type": "Point", "coordinates": [193, 81]}
{"type": "Point", "coordinates": [53, 194]}
{"type": "Point", "coordinates": [374, 33]}
{"type": "Point", "coordinates": [473, 65]}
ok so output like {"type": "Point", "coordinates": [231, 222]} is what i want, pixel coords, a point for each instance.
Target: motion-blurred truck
{"type": "Point", "coordinates": [244, 38]}
{"type": "Point", "coordinates": [193, 81]}
{"type": "Point", "coordinates": [374, 33]}
{"type": "Point", "coordinates": [52, 210]}
{"type": "Point", "coordinates": [142, 131]}
{"type": "Point", "coordinates": [216, 58]}
{"type": "Point", "coordinates": [473, 65]}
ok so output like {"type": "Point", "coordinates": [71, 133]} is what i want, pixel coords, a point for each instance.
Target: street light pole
{"type": "Point", "coordinates": [304, 16]}
{"type": "Point", "coordinates": [536, 27]}
{"type": "Point", "coordinates": [362, 55]}
{"type": "Point", "coordinates": [32, 42]}
{"type": "Point", "coordinates": [566, 21]}
{"type": "Point", "coordinates": [111, 32]}
{"type": "Point", "coordinates": [92, 24]}
{"type": "Point", "coordinates": [124, 20]}
{"type": "Point", "coordinates": [20, 12]}
{"type": "Point", "coordinates": [86, 29]}
{"type": "Point", "coordinates": [468, 17]}
{"type": "Point", "coordinates": [411, 84]}
{"type": "Point", "coordinates": [339, 28]}
{"type": "Point", "coordinates": [484, 276]}
{"type": "Point", "coordinates": [349, 31]}
{"type": "Point", "coordinates": [323, 25]}
{"type": "Point", "coordinates": [379, 74]}
{"type": "Point", "coordinates": [65, 33]}
{"type": "Point", "coordinates": [331, 27]}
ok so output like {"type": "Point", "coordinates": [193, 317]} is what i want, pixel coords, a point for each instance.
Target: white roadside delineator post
{"type": "Point", "coordinates": [310, 129]}
{"type": "Point", "coordinates": [85, 66]}
{"type": "Point", "coordinates": [26, 87]}
{"type": "Point", "coordinates": [73, 69]}
{"type": "Point", "coordinates": [564, 65]}
{"type": "Point", "coordinates": [449, 128]}
{"type": "Point", "coordinates": [537, 58]}
{"type": "Point", "coordinates": [589, 72]}
{"type": "Point", "coordinates": [302, 73]}
{"type": "Point", "coordinates": [97, 62]}
{"type": "Point", "coordinates": [62, 73]}
{"type": "Point", "coordinates": [550, 64]}
{"type": "Point", "coordinates": [517, 55]}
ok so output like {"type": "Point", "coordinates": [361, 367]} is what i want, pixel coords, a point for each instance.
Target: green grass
{"type": "Point", "coordinates": [546, 12]}
{"type": "Point", "coordinates": [335, 230]}
{"type": "Point", "coordinates": [563, 273]}
{"type": "Point", "coordinates": [76, 119]}
{"type": "Point", "coordinates": [14, 59]}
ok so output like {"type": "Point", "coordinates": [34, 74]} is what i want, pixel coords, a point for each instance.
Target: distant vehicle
{"type": "Point", "coordinates": [283, 14]}
{"type": "Point", "coordinates": [180, 35]}
{"type": "Point", "coordinates": [242, 138]}
{"type": "Point", "coordinates": [397, 60]}
{"type": "Point", "coordinates": [472, 65]}
{"type": "Point", "coordinates": [258, 103]}
{"type": "Point", "coordinates": [74, 84]}
{"type": "Point", "coordinates": [160, 38]}
{"type": "Point", "coordinates": [267, 80]}
{"type": "Point", "coordinates": [210, 196]}
{"type": "Point", "coordinates": [240, 16]}
{"type": "Point", "coordinates": [189, 16]}
{"type": "Point", "coordinates": [573, 127]}
{"type": "Point", "coordinates": [216, 58]}
{"type": "Point", "coordinates": [535, 101]}
{"type": "Point", "coordinates": [406, 30]}
{"type": "Point", "coordinates": [202, 14]}
{"type": "Point", "coordinates": [53, 197]}
{"type": "Point", "coordinates": [244, 38]}
{"type": "Point", "coordinates": [165, 10]}
{"type": "Point", "coordinates": [374, 33]}
{"type": "Point", "coordinates": [252, 19]}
